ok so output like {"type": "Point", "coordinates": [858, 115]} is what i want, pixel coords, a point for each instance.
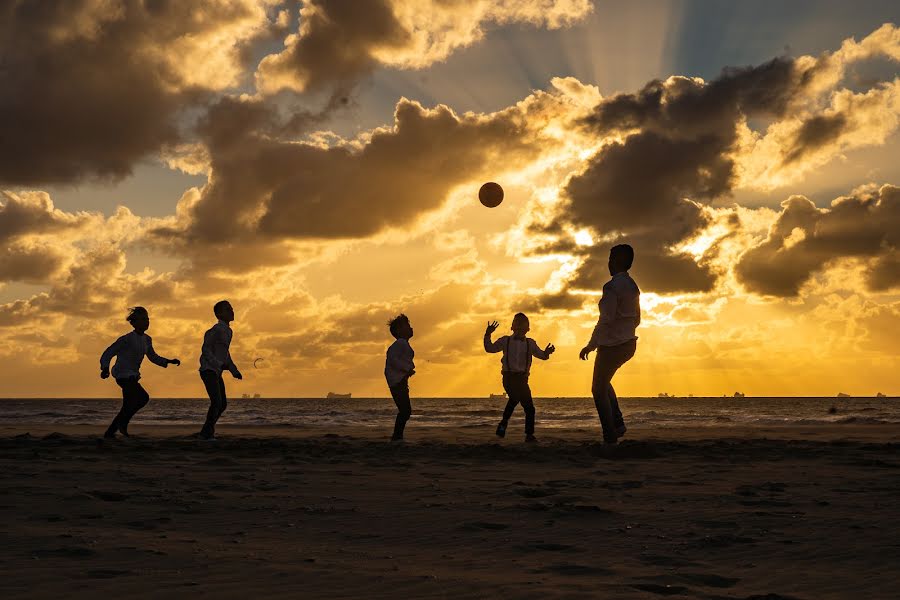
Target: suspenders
{"type": "Point", "coordinates": [505, 359]}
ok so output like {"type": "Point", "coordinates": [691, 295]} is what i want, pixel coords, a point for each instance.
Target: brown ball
{"type": "Point", "coordinates": [491, 194]}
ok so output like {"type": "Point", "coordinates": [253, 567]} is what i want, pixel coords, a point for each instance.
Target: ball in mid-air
{"type": "Point", "coordinates": [491, 194]}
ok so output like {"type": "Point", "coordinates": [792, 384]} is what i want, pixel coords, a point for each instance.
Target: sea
{"type": "Point", "coordinates": [557, 413]}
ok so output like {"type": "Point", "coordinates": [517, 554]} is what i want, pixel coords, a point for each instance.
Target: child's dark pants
{"type": "Point", "coordinates": [400, 394]}
{"type": "Point", "coordinates": [218, 402]}
{"type": "Point", "coordinates": [518, 391]}
{"type": "Point", "coordinates": [134, 398]}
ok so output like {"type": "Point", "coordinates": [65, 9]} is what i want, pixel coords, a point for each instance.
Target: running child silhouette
{"type": "Point", "coordinates": [515, 368]}
{"type": "Point", "coordinates": [398, 368]}
{"type": "Point", "coordinates": [129, 351]}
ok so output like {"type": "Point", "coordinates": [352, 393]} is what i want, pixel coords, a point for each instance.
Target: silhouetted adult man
{"type": "Point", "coordinates": [614, 339]}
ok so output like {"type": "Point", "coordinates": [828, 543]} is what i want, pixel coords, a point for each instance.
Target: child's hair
{"type": "Point", "coordinates": [135, 312]}
{"type": "Point", "coordinates": [623, 255]}
{"type": "Point", "coordinates": [394, 324]}
{"type": "Point", "coordinates": [219, 306]}
{"type": "Point", "coordinates": [521, 316]}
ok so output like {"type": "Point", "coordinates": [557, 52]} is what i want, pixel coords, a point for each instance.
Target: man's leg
{"type": "Point", "coordinates": [617, 412]}
{"type": "Point", "coordinates": [138, 399]}
{"type": "Point", "coordinates": [223, 401]}
{"type": "Point", "coordinates": [604, 369]}
{"type": "Point", "coordinates": [214, 391]}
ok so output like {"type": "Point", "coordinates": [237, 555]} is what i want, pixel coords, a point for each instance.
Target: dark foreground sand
{"type": "Point", "coordinates": [808, 513]}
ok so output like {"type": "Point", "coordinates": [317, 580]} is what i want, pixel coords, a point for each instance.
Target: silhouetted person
{"type": "Point", "coordinates": [515, 368]}
{"type": "Point", "coordinates": [614, 339]}
{"type": "Point", "coordinates": [130, 350]}
{"type": "Point", "coordinates": [398, 368]}
{"type": "Point", "coordinates": [214, 359]}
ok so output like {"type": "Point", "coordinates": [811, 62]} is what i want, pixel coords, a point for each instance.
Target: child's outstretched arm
{"type": "Point", "coordinates": [232, 368]}
{"type": "Point", "coordinates": [107, 356]}
{"type": "Point", "coordinates": [489, 346]}
{"type": "Point", "coordinates": [158, 360]}
{"type": "Point", "coordinates": [541, 354]}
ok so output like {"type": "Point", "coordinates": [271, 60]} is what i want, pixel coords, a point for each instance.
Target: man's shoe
{"type": "Point", "coordinates": [620, 430]}
{"type": "Point", "coordinates": [530, 439]}
{"type": "Point", "coordinates": [501, 429]}
{"type": "Point", "coordinates": [396, 438]}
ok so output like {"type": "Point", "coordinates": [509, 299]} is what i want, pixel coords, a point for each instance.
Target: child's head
{"type": "Point", "coordinates": [620, 258]}
{"type": "Point", "coordinates": [139, 318]}
{"type": "Point", "coordinates": [520, 324]}
{"type": "Point", "coordinates": [223, 311]}
{"type": "Point", "coordinates": [400, 327]}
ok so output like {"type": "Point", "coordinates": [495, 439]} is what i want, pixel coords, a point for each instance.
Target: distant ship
{"type": "Point", "coordinates": [498, 396]}
{"type": "Point", "coordinates": [739, 394]}
{"type": "Point", "coordinates": [880, 395]}
{"type": "Point", "coordinates": [843, 395]}
{"type": "Point", "coordinates": [664, 395]}
{"type": "Point", "coordinates": [332, 395]}
{"type": "Point", "coordinates": [248, 396]}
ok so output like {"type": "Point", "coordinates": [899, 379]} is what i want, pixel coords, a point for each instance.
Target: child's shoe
{"type": "Point", "coordinates": [501, 429]}
{"type": "Point", "coordinates": [530, 439]}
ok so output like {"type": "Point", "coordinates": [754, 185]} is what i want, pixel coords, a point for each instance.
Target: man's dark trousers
{"type": "Point", "coordinates": [518, 392]}
{"type": "Point", "coordinates": [606, 363]}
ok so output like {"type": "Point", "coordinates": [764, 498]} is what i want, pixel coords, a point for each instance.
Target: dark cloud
{"type": "Point", "coordinates": [280, 189]}
{"type": "Point", "coordinates": [670, 151]}
{"type": "Point", "coordinates": [805, 239]}
{"type": "Point", "coordinates": [90, 87]}
{"type": "Point", "coordinates": [335, 44]}
{"type": "Point", "coordinates": [815, 132]}
{"type": "Point", "coordinates": [29, 264]}
{"type": "Point", "coordinates": [33, 213]}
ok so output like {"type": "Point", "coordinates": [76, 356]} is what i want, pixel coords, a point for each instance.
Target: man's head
{"type": "Point", "coordinates": [520, 324]}
{"type": "Point", "coordinates": [400, 327]}
{"type": "Point", "coordinates": [139, 318]}
{"type": "Point", "coordinates": [620, 258]}
{"type": "Point", "coordinates": [223, 311]}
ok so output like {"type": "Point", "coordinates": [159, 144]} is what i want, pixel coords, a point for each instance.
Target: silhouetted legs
{"type": "Point", "coordinates": [134, 398]}
{"type": "Point", "coordinates": [215, 389]}
{"type": "Point", "coordinates": [607, 362]}
{"type": "Point", "coordinates": [400, 394]}
{"type": "Point", "coordinates": [518, 391]}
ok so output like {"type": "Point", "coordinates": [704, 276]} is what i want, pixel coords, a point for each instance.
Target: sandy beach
{"type": "Point", "coordinates": [794, 512]}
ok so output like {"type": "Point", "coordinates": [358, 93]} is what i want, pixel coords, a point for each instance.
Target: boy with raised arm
{"type": "Point", "coordinates": [129, 351]}
{"type": "Point", "coordinates": [215, 358]}
{"type": "Point", "coordinates": [398, 368]}
{"type": "Point", "coordinates": [515, 368]}
{"type": "Point", "coordinates": [614, 339]}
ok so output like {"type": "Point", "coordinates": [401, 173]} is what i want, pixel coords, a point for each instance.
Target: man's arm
{"type": "Point", "coordinates": [608, 302]}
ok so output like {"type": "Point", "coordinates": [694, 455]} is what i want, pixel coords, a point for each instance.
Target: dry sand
{"type": "Point", "coordinates": [809, 513]}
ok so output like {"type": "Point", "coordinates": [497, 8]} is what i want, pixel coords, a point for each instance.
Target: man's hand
{"type": "Point", "coordinates": [411, 373]}
{"type": "Point", "coordinates": [583, 355]}
{"type": "Point", "coordinates": [236, 374]}
{"type": "Point", "coordinates": [491, 327]}
{"type": "Point", "coordinates": [550, 349]}
{"type": "Point", "coordinates": [175, 362]}
{"type": "Point", "coordinates": [104, 374]}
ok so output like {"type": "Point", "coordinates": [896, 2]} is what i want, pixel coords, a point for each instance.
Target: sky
{"type": "Point", "coordinates": [317, 163]}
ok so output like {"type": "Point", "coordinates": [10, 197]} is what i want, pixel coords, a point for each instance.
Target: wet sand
{"type": "Point", "coordinates": [792, 512]}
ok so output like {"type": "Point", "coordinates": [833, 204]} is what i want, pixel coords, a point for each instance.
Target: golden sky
{"type": "Point", "coordinates": [318, 165]}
